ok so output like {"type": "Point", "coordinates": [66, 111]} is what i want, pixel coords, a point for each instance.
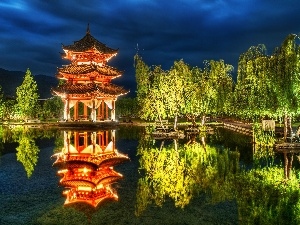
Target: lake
{"type": "Point", "coordinates": [124, 176]}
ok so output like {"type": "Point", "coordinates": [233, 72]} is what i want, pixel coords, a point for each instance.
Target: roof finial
{"type": "Point", "coordinates": [88, 29]}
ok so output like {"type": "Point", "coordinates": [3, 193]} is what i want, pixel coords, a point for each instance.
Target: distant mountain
{"type": "Point", "coordinates": [10, 80]}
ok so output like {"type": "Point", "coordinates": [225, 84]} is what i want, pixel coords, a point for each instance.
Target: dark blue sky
{"type": "Point", "coordinates": [32, 31]}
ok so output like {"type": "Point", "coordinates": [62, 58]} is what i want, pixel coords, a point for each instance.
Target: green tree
{"type": "Point", "coordinates": [286, 79]}
{"type": "Point", "coordinates": [175, 96]}
{"type": "Point", "coordinates": [27, 97]}
{"type": "Point", "coordinates": [53, 107]}
{"type": "Point", "coordinates": [27, 151]}
{"type": "Point", "coordinates": [151, 90]}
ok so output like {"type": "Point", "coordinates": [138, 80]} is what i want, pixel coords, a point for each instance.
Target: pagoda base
{"type": "Point", "coordinates": [88, 124]}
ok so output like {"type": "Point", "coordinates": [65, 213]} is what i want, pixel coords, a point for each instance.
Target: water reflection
{"type": "Point", "coordinates": [260, 185]}
{"type": "Point", "coordinates": [182, 171]}
{"type": "Point", "coordinates": [85, 164]}
{"type": "Point", "coordinates": [267, 192]}
{"type": "Point", "coordinates": [27, 150]}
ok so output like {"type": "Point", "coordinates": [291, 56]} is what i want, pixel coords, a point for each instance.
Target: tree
{"type": "Point", "coordinates": [126, 107]}
{"type": "Point", "coordinates": [175, 95]}
{"type": "Point", "coordinates": [27, 97]}
{"type": "Point", "coordinates": [1, 103]}
{"type": "Point", "coordinates": [27, 151]}
{"type": "Point", "coordinates": [53, 107]}
{"type": "Point", "coordinates": [219, 86]}
{"type": "Point", "coordinates": [286, 80]}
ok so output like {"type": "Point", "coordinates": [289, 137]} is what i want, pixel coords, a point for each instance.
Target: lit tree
{"type": "Point", "coordinates": [1, 103]}
{"type": "Point", "coordinates": [142, 73]}
{"type": "Point", "coordinates": [190, 94]}
{"type": "Point", "coordinates": [254, 96]}
{"type": "Point", "coordinates": [286, 79]}
{"type": "Point", "coordinates": [151, 90]}
{"type": "Point", "coordinates": [27, 151]}
{"type": "Point", "coordinates": [126, 107]}
{"type": "Point", "coordinates": [53, 107]}
{"type": "Point", "coordinates": [220, 84]}
{"type": "Point", "coordinates": [175, 91]}
{"type": "Point", "coordinates": [27, 97]}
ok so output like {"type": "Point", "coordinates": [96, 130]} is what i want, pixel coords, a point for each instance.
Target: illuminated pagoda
{"type": "Point", "coordinates": [86, 167]}
{"type": "Point", "coordinates": [87, 81]}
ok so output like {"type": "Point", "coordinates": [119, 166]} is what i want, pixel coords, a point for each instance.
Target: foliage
{"type": "Point", "coordinates": [127, 107]}
{"type": "Point", "coordinates": [268, 85]}
{"type": "Point", "coordinates": [264, 198]}
{"type": "Point", "coordinates": [217, 88]}
{"type": "Point", "coordinates": [53, 107]}
{"type": "Point", "coordinates": [183, 90]}
{"type": "Point", "coordinates": [27, 153]}
{"type": "Point", "coordinates": [27, 97]}
{"type": "Point", "coordinates": [181, 172]}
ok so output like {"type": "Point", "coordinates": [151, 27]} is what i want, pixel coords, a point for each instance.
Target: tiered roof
{"type": "Point", "coordinates": [76, 71]}
{"type": "Point", "coordinates": [90, 89]}
{"type": "Point", "coordinates": [85, 159]}
{"type": "Point", "coordinates": [89, 184]}
{"type": "Point", "coordinates": [87, 43]}
{"type": "Point", "coordinates": [86, 78]}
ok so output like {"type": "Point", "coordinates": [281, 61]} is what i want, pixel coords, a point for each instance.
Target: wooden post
{"type": "Point", "coordinates": [102, 108]}
{"type": "Point", "coordinates": [106, 111]}
{"type": "Point", "coordinates": [76, 111]}
{"type": "Point", "coordinates": [113, 111]}
{"type": "Point", "coordinates": [84, 111]}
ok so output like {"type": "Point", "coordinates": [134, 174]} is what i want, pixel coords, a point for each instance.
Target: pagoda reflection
{"type": "Point", "coordinates": [86, 164]}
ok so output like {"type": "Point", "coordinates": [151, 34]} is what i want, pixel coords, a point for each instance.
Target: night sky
{"type": "Point", "coordinates": [32, 31]}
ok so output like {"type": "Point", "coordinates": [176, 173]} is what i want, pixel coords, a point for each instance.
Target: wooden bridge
{"type": "Point", "coordinates": [238, 128]}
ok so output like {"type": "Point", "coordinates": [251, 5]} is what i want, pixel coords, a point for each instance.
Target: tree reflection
{"type": "Point", "coordinates": [180, 172]}
{"type": "Point", "coordinates": [266, 193]}
{"type": "Point", "coordinates": [27, 151]}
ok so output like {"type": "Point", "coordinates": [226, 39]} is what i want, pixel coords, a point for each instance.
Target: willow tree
{"type": "Point", "coordinates": [191, 94]}
{"type": "Point", "coordinates": [176, 81]}
{"type": "Point", "coordinates": [142, 72]}
{"type": "Point", "coordinates": [151, 90]}
{"type": "Point", "coordinates": [27, 151]}
{"type": "Point", "coordinates": [254, 84]}
{"type": "Point", "coordinates": [220, 85]}
{"type": "Point", "coordinates": [286, 79]}
{"type": "Point", "coordinates": [27, 97]}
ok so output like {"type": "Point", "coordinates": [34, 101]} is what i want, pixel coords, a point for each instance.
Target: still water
{"type": "Point", "coordinates": [51, 176]}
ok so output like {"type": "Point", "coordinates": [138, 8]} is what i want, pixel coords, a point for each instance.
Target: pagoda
{"type": "Point", "coordinates": [86, 167]}
{"type": "Point", "coordinates": [86, 82]}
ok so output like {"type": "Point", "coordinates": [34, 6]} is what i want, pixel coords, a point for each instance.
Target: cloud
{"type": "Point", "coordinates": [195, 30]}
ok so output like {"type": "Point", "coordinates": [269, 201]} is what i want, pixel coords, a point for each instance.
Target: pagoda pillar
{"type": "Point", "coordinates": [76, 140]}
{"type": "Point", "coordinates": [113, 138]}
{"type": "Point", "coordinates": [75, 116]}
{"type": "Point", "coordinates": [85, 138]}
{"type": "Point", "coordinates": [99, 112]}
{"type": "Point", "coordinates": [102, 108]}
{"type": "Point", "coordinates": [84, 111]}
{"type": "Point", "coordinates": [94, 141]}
{"type": "Point", "coordinates": [93, 113]}
{"type": "Point", "coordinates": [66, 110]}
{"type": "Point", "coordinates": [113, 111]}
{"type": "Point", "coordinates": [106, 111]}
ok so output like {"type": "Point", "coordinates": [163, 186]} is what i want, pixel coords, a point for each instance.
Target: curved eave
{"type": "Point", "coordinates": [88, 42]}
{"type": "Point", "coordinates": [92, 202]}
{"type": "Point", "coordinates": [76, 183]}
{"type": "Point", "coordinates": [88, 69]}
{"type": "Point", "coordinates": [88, 90]}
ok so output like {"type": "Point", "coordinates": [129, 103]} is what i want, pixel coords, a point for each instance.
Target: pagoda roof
{"type": "Point", "coordinates": [97, 89]}
{"type": "Point", "coordinates": [80, 160]}
{"type": "Point", "coordinates": [85, 69]}
{"type": "Point", "coordinates": [88, 42]}
{"type": "Point", "coordinates": [104, 175]}
{"type": "Point", "coordinates": [92, 198]}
